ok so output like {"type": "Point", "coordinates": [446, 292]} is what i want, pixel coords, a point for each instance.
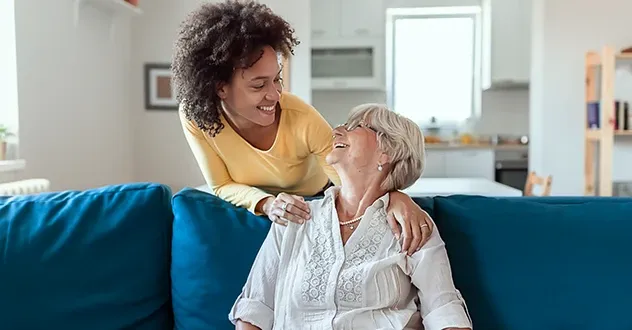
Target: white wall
{"type": "Point", "coordinates": [160, 151]}
{"type": "Point", "coordinates": [73, 95]}
{"type": "Point", "coordinates": [562, 36]}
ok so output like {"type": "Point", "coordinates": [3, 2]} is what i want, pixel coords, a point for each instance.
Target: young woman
{"type": "Point", "coordinates": [257, 146]}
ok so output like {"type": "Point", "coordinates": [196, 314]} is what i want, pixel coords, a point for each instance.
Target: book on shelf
{"type": "Point", "coordinates": [623, 116]}
{"type": "Point", "coordinates": [592, 109]}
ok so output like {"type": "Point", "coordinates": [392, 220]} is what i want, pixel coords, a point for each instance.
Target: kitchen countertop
{"type": "Point", "coordinates": [429, 187]}
{"type": "Point", "coordinates": [453, 146]}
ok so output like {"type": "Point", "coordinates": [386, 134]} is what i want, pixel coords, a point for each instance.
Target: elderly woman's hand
{"type": "Point", "coordinates": [286, 207]}
{"type": "Point", "coordinates": [416, 223]}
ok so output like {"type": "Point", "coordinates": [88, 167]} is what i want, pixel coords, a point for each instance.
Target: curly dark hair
{"type": "Point", "coordinates": [215, 39]}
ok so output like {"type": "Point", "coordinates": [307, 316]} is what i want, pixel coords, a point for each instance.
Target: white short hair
{"type": "Point", "coordinates": [399, 137]}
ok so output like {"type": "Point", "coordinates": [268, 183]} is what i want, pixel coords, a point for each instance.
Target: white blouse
{"type": "Point", "coordinates": [304, 278]}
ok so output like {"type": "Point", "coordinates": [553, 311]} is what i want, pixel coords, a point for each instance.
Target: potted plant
{"type": "Point", "coordinates": [5, 134]}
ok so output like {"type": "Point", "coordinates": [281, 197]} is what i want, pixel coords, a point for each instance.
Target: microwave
{"type": "Point", "coordinates": [353, 63]}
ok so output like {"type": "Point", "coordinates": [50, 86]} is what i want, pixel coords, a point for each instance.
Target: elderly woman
{"type": "Point", "coordinates": [345, 269]}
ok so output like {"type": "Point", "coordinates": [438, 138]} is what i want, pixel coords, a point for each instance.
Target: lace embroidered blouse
{"type": "Point", "coordinates": [304, 278]}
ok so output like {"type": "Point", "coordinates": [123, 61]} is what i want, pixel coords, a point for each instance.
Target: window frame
{"type": "Point", "coordinates": [474, 12]}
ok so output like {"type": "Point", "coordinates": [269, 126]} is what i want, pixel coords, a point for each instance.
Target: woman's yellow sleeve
{"type": "Point", "coordinates": [215, 173]}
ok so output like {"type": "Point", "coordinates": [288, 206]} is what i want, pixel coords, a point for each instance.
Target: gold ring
{"type": "Point", "coordinates": [280, 222]}
{"type": "Point", "coordinates": [424, 225]}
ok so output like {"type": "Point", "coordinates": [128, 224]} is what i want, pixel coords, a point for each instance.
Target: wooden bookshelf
{"type": "Point", "coordinates": [601, 118]}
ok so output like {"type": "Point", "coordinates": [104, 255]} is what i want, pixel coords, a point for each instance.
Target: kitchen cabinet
{"type": "Point", "coordinates": [460, 163]}
{"type": "Point", "coordinates": [336, 19]}
{"type": "Point", "coordinates": [470, 164]}
{"type": "Point", "coordinates": [362, 18]}
{"type": "Point", "coordinates": [506, 43]}
{"type": "Point", "coordinates": [326, 19]}
{"type": "Point", "coordinates": [435, 164]}
{"type": "Point", "coordinates": [348, 44]}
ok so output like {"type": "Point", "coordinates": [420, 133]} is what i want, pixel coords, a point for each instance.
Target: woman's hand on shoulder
{"type": "Point", "coordinates": [285, 207]}
{"type": "Point", "coordinates": [415, 222]}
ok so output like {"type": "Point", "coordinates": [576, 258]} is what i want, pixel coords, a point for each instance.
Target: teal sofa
{"type": "Point", "coordinates": [135, 256]}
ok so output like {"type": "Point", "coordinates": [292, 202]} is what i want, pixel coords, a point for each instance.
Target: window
{"type": "Point", "coordinates": [8, 67]}
{"type": "Point", "coordinates": [433, 63]}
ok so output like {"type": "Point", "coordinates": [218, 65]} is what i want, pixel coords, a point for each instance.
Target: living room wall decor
{"type": "Point", "coordinates": [285, 74]}
{"type": "Point", "coordinates": [160, 93]}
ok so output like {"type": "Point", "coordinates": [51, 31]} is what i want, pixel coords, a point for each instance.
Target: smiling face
{"type": "Point", "coordinates": [355, 148]}
{"type": "Point", "coordinates": [374, 135]}
{"type": "Point", "coordinates": [253, 93]}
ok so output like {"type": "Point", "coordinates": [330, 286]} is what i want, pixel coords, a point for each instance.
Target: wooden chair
{"type": "Point", "coordinates": [533, 179]}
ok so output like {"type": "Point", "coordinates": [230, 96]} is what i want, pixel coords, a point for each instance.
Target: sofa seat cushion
{"type": "Point", "coordinates": [214, 245]}
{"type": "Point", "coordinates": [95, 259]}
{"type": "Point", "coordinates": [540, 263]}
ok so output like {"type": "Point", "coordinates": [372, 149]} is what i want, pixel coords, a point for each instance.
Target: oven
{"type": "Point", "coordinates": [512, 172]}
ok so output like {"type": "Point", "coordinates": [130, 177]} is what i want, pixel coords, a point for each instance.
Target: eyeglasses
{"type": "Point", "coordinates": [360, 124]}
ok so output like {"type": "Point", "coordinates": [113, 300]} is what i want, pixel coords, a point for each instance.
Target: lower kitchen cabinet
{"type": "Point", "coordinates": [435, 164]}
{"type": "Point", "coordinates": [442, 163]}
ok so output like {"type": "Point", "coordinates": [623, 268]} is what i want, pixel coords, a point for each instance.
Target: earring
{"type": "Point", "coordinates": [379, 167]}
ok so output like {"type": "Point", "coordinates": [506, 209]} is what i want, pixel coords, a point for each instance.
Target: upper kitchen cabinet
{"type": "Point", "coordinates": [325, 16]}
{"type": "Point", "coordinates": [362, 18]}
{"type": "Point", "coordinates": [348, 44]}
{"type": "Point", "coordinates": [506, 43]}
{"type": "Point", "coordinates": [343, 19]}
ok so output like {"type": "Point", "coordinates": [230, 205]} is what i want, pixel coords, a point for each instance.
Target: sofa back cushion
{"type": "Point", "coordinates": [96, 259]}
{"type": "Point", "coordinates": [540, 263]}
{"type": "Point", "coordinates": [214, 245]}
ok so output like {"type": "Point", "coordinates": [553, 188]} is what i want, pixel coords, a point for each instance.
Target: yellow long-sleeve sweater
{"type": "Point", "coordinates": [243, 175]}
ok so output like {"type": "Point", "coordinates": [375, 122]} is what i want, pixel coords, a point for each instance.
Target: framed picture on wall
{"type": "Point", "coordinates": [285, 73]}
{"type": "Point", "coordinates": [160, 93]}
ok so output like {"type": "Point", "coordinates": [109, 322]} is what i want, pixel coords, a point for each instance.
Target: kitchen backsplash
{"type": "Point", "coordinates": [504, 111]}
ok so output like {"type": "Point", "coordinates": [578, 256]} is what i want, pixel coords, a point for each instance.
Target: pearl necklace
{"type": "Point", "coordinates": [351, 222]}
